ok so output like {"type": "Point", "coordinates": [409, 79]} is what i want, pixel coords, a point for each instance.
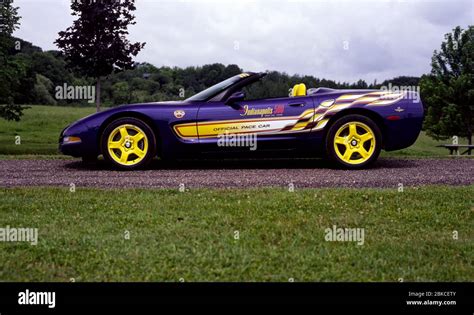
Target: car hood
{"type": "Point", "coordinates": [97, 118]}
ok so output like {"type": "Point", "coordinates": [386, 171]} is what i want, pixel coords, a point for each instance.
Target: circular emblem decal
{"type": "Point", "coordinates": [179, 113]}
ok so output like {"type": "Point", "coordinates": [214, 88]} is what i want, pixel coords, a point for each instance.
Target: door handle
{"type": "Point", "coordinates": [297, 104]}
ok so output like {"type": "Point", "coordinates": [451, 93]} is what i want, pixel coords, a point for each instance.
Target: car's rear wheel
{"type": "Point", "coordinates": [128, 143]}
{"type": "Point", "coordinates": [354, 141]}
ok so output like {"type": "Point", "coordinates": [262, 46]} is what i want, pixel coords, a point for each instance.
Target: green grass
{"type": "Point", "coordinates": [424, 146]}
{"type": "Point", "coordinates": [190, 235]}
{"type": "Point", "coordinates": [39, 129]}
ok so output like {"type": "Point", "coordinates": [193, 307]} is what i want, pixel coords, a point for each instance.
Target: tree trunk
{"type": "Point", "coordinates": [97, 91]}
{"type": "Point", "coordinates": [469, 138]}
{"type": "Point", "coordinates": [468, 121]}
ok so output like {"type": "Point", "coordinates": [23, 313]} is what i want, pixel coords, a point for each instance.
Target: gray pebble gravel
{"type": "Point", "coordinates": [387, 173]}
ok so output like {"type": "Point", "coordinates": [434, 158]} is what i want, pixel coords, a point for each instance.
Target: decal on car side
{"type": "Point", "coordinates": [210, 129]}
{"type": "Point", "coordinates": [179, 113]}
{"type": "Point", "coordinates": [309, 120]}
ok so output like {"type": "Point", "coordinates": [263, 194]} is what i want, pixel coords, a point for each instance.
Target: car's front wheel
{"type": "Point", "coordinates": [128, 143]}
{"type": "Point", "coordinates": [354, 142]}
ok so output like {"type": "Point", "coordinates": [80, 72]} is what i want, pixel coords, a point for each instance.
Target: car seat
{"type": "Point", "coordinates": [299, 90]}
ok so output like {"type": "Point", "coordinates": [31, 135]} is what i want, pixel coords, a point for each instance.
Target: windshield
{"type": "Point", "coordinates": [215, 89]}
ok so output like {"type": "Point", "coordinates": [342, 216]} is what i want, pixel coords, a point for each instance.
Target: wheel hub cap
{"type": "Point", "coordinates": [127, 144]}
{"type": "Point", "coordinates": [354, 142]}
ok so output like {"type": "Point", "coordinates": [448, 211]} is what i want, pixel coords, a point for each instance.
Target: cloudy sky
{"type": "Point", "coordinates": [339, 40]}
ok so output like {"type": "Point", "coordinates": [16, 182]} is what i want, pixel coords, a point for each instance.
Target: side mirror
{"type": "Point", "coordinates": [235, 97]}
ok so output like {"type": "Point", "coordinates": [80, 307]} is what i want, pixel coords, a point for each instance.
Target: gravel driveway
{"type": "Point", "coordinates": [247, 173]}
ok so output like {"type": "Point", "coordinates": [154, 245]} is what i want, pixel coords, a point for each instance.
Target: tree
{"type": "Point", "coordinates": [400, 81]}
{"type": "Point", "coordinates": [96, 43]}
{"type": "Point", "coordinates": [52, 67]}
{"type": "Point", "coordinates": [121, 93]}
{"type": "Point", "coordinates": [448, 92]}
{"type": "Point", "coordinates": [11, 70]}
{"type": "Point", "coordinates": [42, 91]}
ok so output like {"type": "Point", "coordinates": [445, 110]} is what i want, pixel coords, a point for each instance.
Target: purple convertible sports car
{"type": "Point", "coordinates": [349, 127]}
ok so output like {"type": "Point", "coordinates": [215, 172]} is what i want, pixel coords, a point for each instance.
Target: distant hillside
{"type": "Point", "coordinates": [146, 83]}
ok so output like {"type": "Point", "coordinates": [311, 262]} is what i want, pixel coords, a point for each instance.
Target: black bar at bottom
{"type": "Point", "coordinates": [403, 297]}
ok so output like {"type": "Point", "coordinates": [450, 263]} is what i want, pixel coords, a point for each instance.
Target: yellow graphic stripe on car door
{"type": "Point", "coordinates": [186, 131]}
{"type": "Point", "coordinates": [213, 129]}
{"type": "Point", "coordinates": [210, 129]}
{"type": "Point", "coordinates": [307, 123]}
{"type": "Point", "coordinates": [349, 97]}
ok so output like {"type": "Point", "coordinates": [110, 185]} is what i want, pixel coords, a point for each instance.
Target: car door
{"type": "Point", "coordinates": [273, 124]}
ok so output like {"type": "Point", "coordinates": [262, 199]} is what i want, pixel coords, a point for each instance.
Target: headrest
{"type": "Point", "coordinates": [299, 90]}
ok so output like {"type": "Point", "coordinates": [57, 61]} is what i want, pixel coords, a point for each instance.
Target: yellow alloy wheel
{"type": "Point", "coordinates": [127, 144]}
{"type": "Point", "coordinates": [354, 142]}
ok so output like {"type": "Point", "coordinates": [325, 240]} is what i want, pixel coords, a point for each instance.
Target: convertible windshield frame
{"type": "Point", "coordinates": [216, 89]}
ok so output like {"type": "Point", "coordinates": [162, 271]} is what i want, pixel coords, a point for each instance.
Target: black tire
{"type": "Point", "coordinates": [330, 138]}
{"type": "Point", "coordinates": [151, 139]}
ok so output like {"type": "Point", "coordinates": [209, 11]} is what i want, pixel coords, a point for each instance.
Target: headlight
{"type": "Point", "coordinates": [71, 139]}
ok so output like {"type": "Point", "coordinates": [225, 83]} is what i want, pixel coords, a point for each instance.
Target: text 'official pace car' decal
{"type": "Point", "coordinates": [309, 120]}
